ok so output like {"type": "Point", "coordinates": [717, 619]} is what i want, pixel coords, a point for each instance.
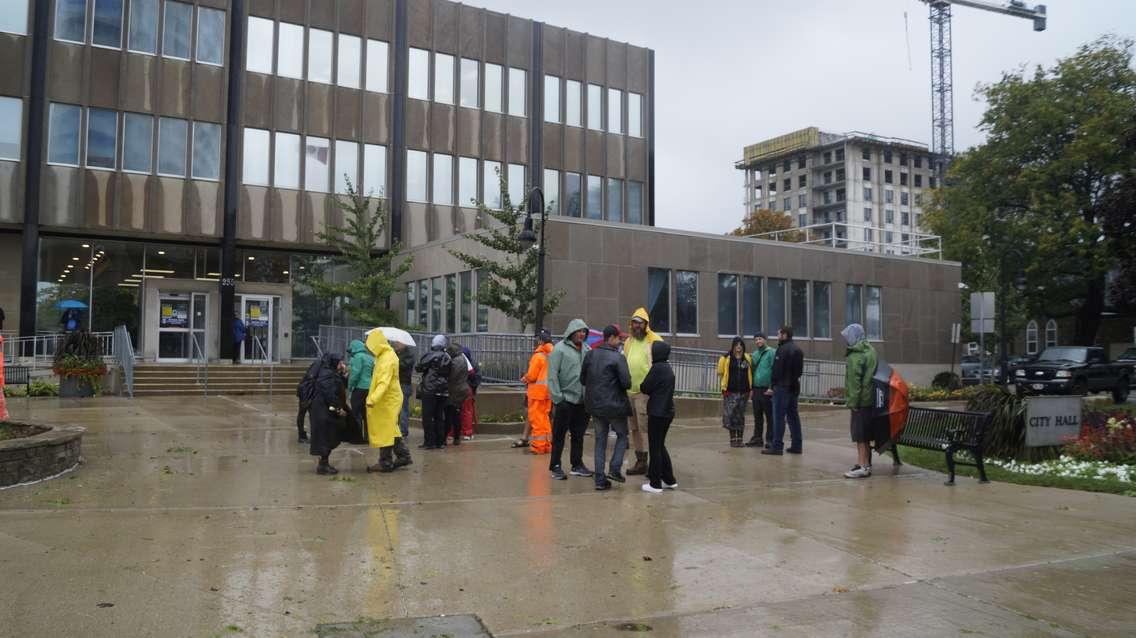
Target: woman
{"type": "Point", "coordinates": [362, 366]}
{"type": "Point", "coordinates": [459, 392]}
{"type": "Point", "coordinates": [384, 401]}
{"type": "Point", "coordinates": [734, 380]}
{"type": "Point", "coordinates": [469, 408]}
{"type": "Point", "coordinates": [328, 407]}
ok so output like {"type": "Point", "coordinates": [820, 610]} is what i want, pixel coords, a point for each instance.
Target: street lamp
{"type": "Point", "coordinates": [528, 238]}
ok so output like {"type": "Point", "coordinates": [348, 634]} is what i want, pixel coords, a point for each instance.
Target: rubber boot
{"type": "Point", "coordinates": [640, 464]}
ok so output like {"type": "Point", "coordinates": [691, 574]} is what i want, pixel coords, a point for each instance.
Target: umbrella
{"type": "Point", "coordinates": [398, 335]}
{"type": "Point", "coordinates": [67, 304]}
{"type": "Point", "coordinates": [890, 392]}
{"type": "Point", "coordinates": [594, 337]}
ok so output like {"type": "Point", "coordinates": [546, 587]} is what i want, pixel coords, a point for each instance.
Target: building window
{"type": "Point", "coordinates": [377, 66]}
{"type": "Point", "coordinates": [572, 103]}
{"type": "Point", "coordinates": [374, 170]}
{"type": "Point", "coordinates": [828, 157]}
{"type": "Point", "coordinates": [888, 177]}
{"type": "Point", "coordinates": [751, 305]}
{"type": "Point", "coordinates": [261, 38]}
{"type": "Point", "coordinates": [491, 185]}
{"type": "Point", "coordinates": [903, 179]}
{"type": "Point", "coordinates": [867, 193]}
{"type": "Point", "coordinates": [1031, 338]}
{"type": "Point", "coordinates": [615, 111]}
{"type": "Point", "coordinates": [866, 153]}
{"type": "Point", "coordinates": [516, 183]}
{"type": "Point", "coordinates": [802, 181]}
{"type": "Point", "coordinates": [867, 213]}
{"type": "Point", "coordinates": [106, 27]}
{"type": "Point", "coordinates": [888, 237]}
{"type": "Point", "coordinates": [1050, 333]}
{"type": "Point", "coordinates": [658, 298]}
{"type": "Point", "coordinates": [918, 199]}
{"type": "Point", "coordinates": [210, 36]}
{"type": "Point", "coordinates": [788, 204]}
{"type": "Point", "coordinates": [686, 302]}
{"type": "Point", "coordinates": [572, 195]}
{"type": "Point", "coordinates": [451, 303]}
{"type": "Point", "coordinates": [887, 156]}
{"type": "Point", "coordinates": [137, 142]}
{"type": "Point", "coordinates": [868, 235]}
{"type": "Point", "coordinates": [853, 298]}
{"type": "Point", "coordinates": [821, 322]}
{"type": "Point", "coordinates": [634, 202]}
{"type": "Point", "coordinates": [552, 99]}
{"type": "Point", "coordinates": [802, 219]}
{"type": "Point", "coordinates": [889, 196]}
{"type": "Point", "coordinates": [493, 88]}
{"type": "Point", "coordinates": [903, 159]}
{"type": "Point", "coordinates": [470, 83]}
{"type": "Point", "coordinates": [346, 166]}
{"type": "Point", "coordinates": [467, 181]}
{"type": "Point", "coordinates": [350, 56]}
{"type": "Point", "coordinates": [286, 162]}
{"type": "Point", "coordinates": [424, 304]}
{"type": "Point", "coordinates": [826, 197]}
{"type": "Point", "coordinates": [775, 303]}
{"type": "Point", "coordinates": [14, 16]}
{"type": "Point", "coordinates": [482, 309]}
{"type": "Point", "coordinates": [552, 191]}
{"type": "Point", "coordinates": [102, 138]}
{"type": "Point", "coordinates": [931, 181]}
{"type": "Point", "coordinates": [70, 20]}
{"type": "Point", "coordinates": [788, 184]}
{"type": "Point", "coordinates": [206, 151]}
{"type": "Point", "coordinates": [176, 28]}
{"type": "Point", "coordinates": [918, 181]}
{"type": "Point", "coordinates": [317, 164]}
{"type": "Point", "coordinates": [614, 200]}
{"type": "Point", "coordinates": [415, 176]}
{"type": "Point", "coordinates": [787, 165]}
{"type": "Point", "coordinates": [840, 194]}
{"type": "Point", "coordinates": [802, 161]}
{"type": "Point", "coordinates": [594, 208]}
{"type": "Point", "coordinates": [874, 313]}
{"type": "Point", "coordinates": [443, 179]}
{"type": "Point", "coordinates": [517, 92]}
{"type": "Point", "coordinates": [256, 142]}
{"type": "Point", "coordinates": [903, 198]}
{"type": "Point", "coordinates": [889, 215]}
{"type": "Point", "coordinates": [634, 114]}
{"type": "Point", "coordinates": [443, 78]}
{"type": "Point", "coordinates": [172, 139]}
{"type": "Point", "coordinates": [727, 305]}
{"type": "Point", "coordinates": [418, 86]}
{"type": "Point", "coordinates": [436, 305]}
{"type": "Point", "coordinates": [320, 56]}
{"type": "Point", "coordinates": [828, 177]}
{"type": "Point", "coordinates": [799, 307]}
{"type": "Point", "coordinates": [595, 107]}
{"type": "Point", "coordinates": [918, 161]}
{"type": "Point", "coordinates": [840, 155]}
{"type": "Point", "coordinates": [411, 289]}
{"type": "Point", "coordinates": [466, 277]}
{"type": "Point", "coordinates": [867, 172]}
{"type": "Point", "coordinates": [840, 174]}
{"type": "Point", "coordinates": [143, 34]}
{"type": "Point", "coordinates": [802, 200]}
{"type": "Point", "coordinates": [905, 218]}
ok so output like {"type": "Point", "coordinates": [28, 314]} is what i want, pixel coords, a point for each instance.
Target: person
{"type": "Point", "coordinates": [361, 366]}
{"type": "Point", "coordinates": [734, 379]}
{"type": "Point", "coordinates": [658, 386]}
{"type": "Point", "coordinates": [469, 408]}
{"type": "Point", "coordinates": [637, 350]}
{"type": "Point", "coordinates": [536, 393]}
{"type": "Point", "coordinates": [788, 364]}
{"type": "Point", "coordinates": [328, 398]}
{"type": "Point", "coordinates": [239, 332]}
{"type": "Point", "coordinates": [1, 318]}
{"type": "Point", "coordinates": [762, 358]}
{"type": "Point", "coordinates": [433, 391]}
{"type": "Point", "coordinates": [383, 400]}
{"type": "Point", "coordinates": [606, 381]}
{"type": "Point", "coordinates": [859, 396]}
{"type": "Point", "coordinates": [405, 382]}
{"type": "Point", "coordinates": [305, 403]}
{"type": "Point", "coordinates": [569, 417]}
{"type": "Point", "coordinates": [457, 392]}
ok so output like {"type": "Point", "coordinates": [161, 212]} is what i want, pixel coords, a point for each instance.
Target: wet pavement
{"type": "Point", "coordinates": [204, 517]}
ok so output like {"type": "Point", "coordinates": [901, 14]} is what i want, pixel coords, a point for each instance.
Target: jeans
{"type": "Point", "coordinates": [785, 408]}
{"type": "Point", "coordinates": [568, 418]}
{"type": "Point", "coordinates": [404, 415]}
{"type": "Point", "coordinates": [434, 421]}
{"type": "Point", "coordinates": [602, 426]}
{"type": "Point", "coordinates": [659, 468]}
{"type": "Point", "coordinates": [637, 423]}
{"type": "Point", "coordinates": [762, 413]}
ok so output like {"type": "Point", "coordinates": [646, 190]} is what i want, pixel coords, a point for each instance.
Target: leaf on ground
{"type": "Point", "coordinates": [104, 605]}
{"type": "Point", "coordinates": [840, 590]}
{"type": "Point", "coordinates": [647, 559]}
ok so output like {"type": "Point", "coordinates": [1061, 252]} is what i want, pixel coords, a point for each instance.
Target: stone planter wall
{"type": "Point", "coordinates": [40, 456]}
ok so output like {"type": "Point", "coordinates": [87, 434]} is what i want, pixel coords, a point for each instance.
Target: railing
{"type": "Point", "coordinates": [319, 349]}
{"type": "Point", "coordinates": [696, 372]}
{"type": "Point", "coordinates": [124, 356]}
{"type": "Point", "coordinates": [851, 237]}
{"type": "Point", "coordinates": [39, 350]}
{"type": "Point", "coordinates": [198, 359]}
{"type": "Point", "coordinates": [260, 353]}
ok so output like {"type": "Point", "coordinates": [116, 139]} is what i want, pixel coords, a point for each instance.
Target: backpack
{"type": "Point", "coordinates": [306, 388]}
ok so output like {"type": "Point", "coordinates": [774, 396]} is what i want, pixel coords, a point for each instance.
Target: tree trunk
{"type": "Point", "coordinates": [1088, 316]}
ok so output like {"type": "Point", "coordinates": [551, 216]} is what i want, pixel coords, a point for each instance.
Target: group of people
{"type": "Point", "coordinates": [770, 379]}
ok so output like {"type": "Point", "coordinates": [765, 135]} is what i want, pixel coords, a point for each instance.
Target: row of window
{"type": "Point", "coordinates": [569, 113]}
{"type": "Point", "coordinates": [837, 155]}
{"type": "Point", "coordinates": [330, 59]}
{"type": "Point", "coordinates": [275, 159]}
{"type": "Point", "coordinates": [11, 127]}
{"type": "Point", "coordinates": [1032, 336]}
{"type": "Point", "coordinates": [106, 25]}
{"type": "Point", "coordinates": [446, 304]}
{"type": "Point", "coordinates": [101, 129]}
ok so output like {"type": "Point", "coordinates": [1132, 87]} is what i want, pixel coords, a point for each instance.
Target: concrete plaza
{"type": "Point", "coordinates": [204, 517]}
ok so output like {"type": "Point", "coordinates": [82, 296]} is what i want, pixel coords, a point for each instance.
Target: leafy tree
{"type": "Point", "coordinates": [373, 274]}
{"type": "Point", "coordinates": [507, 270]}
{"type": "Point", "coordinates": [1034, 198]}
{"type": "Point", "coordinates": [767, 221]}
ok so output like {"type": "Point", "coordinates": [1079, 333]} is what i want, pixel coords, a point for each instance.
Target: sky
{"type": "Point", "coordinates": [734, 72]}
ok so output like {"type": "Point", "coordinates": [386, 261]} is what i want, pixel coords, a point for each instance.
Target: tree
{"type": "Point", "coordinates": [372, 273]}
{"type": "Point", "coordinates": [1032, 201]}
{"type": "Point", "coordinates": [506, 279]}
{"type": "Point", "coordinates": [766, 221]}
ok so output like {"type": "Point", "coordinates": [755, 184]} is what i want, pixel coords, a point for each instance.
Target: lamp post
{"type": "Point", "coordinates": [528, 238]}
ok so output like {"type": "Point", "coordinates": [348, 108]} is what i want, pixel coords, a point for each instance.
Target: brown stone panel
{"type": "Point", "coordinates": [417, 119]}
{"type": "Point", "coordinates": [574, 44]}
{"type": "Point", "coordinates": [674, 249]}
{"type": "Point", "coordinates": [468, 137]}
{"type": "Point", "coordinates": [251, 220]}
{"type": "Point", "coordinates": [472, 30]}
{"type": "Point", "coordinates": [519, 42]}
{"type": "Point", "coordinates": [130, 205]}
{"type": "Point", "coordinates": [517, 136]}
{"type": "Point", "coordinates": [617, 64]}
{"type": "Point", "coordinates": [258, 99]}
{"type": "Point", "coordinates": [638, 69]}
{"type": "Point", "coordinates": [493, 138]}
{"type": "Point", "coordinates": [584, 246]}
{"type": "Point", "coordinates": [380, 19]}
{"type": "Point", "coordinates": [61, 196]}
{"type": "Point", "coordinates": [646, 250]}
{"type": "Point", "coordinates": [616, 167]}
{"type": "Point", "coordinates": [174, 80]}
{"type": "Point", "coordinates": [138, 83]}
{"type": "Point", "coordinates": [319, 109]}
{"type": "Point", "coordinates": [287, 105]}
{"type": "Point", "coordinates": [11, 192]}
{"type": "Point", "coordinates": [556, 240]}
{"type": "Point", "coordinates": [376, 118]}
{"type": "Point", "coordinates": [615, 243]}
{"type": "Point", "coordinates": [596, 48]}
{"type": "Point", "coordinates": [289, 8]}
{"type": "Point", "coordinates": [741, 258]}
{"type": "Point", "coordinates": [98, 198]}
{"type": "Point", "coordinates": [209, 86]}
{"type": "Point", "coordinates": [637, 161]}
{"type": "Point", "coordinates": [442, 138]}
{"type": "Point", "coordinates": [494, 37]}
{"type": "Point", "coordinates": [596, 150]}
{"type": "Point", "coordinates": [351, 17]}
{"type": "Point", "coordinates": [414, 224]}
{"type": "Point", "coordinates": [13, 64]}
{"type": "Point", "coordinates": [321, 14]}
{"type": "Point", "coordinates": [348, 103]}
{"type": "Point", "coordinates": [573, 149]}
{"type": "Point", "coordinates": [418, 20]}
{"type": "Point", "coordinates": [446, 18]}
{"type": "Point", "coordinates": [66, 81]}
{"type": "Point", "coordinates": [210, 209]}
{"type": "Point", "coordinates": [166, 215]}
{"type": "Point", "coordinates": [552, 145]}
{"type": "Point", "coordinates": [104, 75]}
{"type": "Point", "coordinates": [553, 61]}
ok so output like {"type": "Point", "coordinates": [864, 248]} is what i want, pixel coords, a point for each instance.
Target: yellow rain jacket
{"type": "Point", "coordinates": [638, 352]}
{"type": "Point", "coordinates": [384, 399]}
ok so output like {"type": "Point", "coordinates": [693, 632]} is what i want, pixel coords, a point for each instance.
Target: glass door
{"type": "Point", "coordinates": [256, 311]}
{"type": "Point", "coordinates": [173, 327]}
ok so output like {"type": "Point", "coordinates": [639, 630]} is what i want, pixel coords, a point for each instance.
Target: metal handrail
{"type": "Point", "coordinates": [39, 350]}
{"type": "Point", "coordinates": [124, 355]}
{"type": "Point", "coordinates": [264, 362]}
{"type": "Point", "coordinates": [197, 356]}
{"type": "Point", "coordinates": [319, 349]}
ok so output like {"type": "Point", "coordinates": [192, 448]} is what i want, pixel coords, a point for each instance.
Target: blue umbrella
{"type": "Point", "coordinates": [67, 304]}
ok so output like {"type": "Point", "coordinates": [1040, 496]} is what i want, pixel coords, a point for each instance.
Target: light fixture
{"type": "Point", "coordinates": [212, 274]}
{"type": "Point", "coordinates": [301, 267]}
{"type": "Point", "coordinates": [86, 245]}
{"type": "Point", "coordinates": [161, 252]}
{"type": "Point", "coordinates": [86, 267]}
{"type": "Point", "coordinates": [158, 270]}
{"type": "Point", "coordinates": [125, 285]}
{"type": "Point", "coordinates": [74, 259]}
{"type": "Point", "coordinates": [285, 272]}
{"type": "Point", "coordinates": [251, 258]}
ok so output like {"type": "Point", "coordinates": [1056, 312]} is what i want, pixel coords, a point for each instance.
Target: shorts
{"type": "Point", "coordinates": [862, 430]}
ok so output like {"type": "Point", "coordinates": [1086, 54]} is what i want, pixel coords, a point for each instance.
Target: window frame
{"type": "Point", "coordinates": [463, 64]}
{"type": "Point", "coordinates": [435, 163]}
{"type": "Point", "coordinates": [498, 105]}
{"type": "Point", "coordinates": [298, 159]}
{"type": "Point", "coordinates": [338, 180]}
{"type": "Point", "coordinates": [878, 337]}
{"type": "Point", "coordinates": [197, 37]}
{"type": "Point", "coordinates": [660, 326]}
{"type": "Point", "coordinates": [372, 152]}
{"type": "Point", "coordinates": [185, 150]}
{"type": "Point", "coordinates": [598, 125]}
{"type": "Point", "coordinates": [697, 293]}
{"type": "Point", "coordinates": [303, 57]}
{"type": "Point", "coordinates": [331, 61]}
{"type": "Point", "coordinates": [193, 151]}
{"type": "Point", "coordinates": [340, 60]}
{"type": "Point", "coordinates": [245, 156]}
{"type": "Point", "coordinates": [27, 18]}
{"type": "Point", "coordinates": [463, 163]}
{"type": "Point", "coordinates": [491, 185]}
{"type": "Point", "coordinates": [327, 186]}
{"type": "Point", "coordinates": [638, 133]}
{"type": "Point", "coordinates": [133, 21]}
{"type": "Point", "coordinates": [813, 323]}
{"type": "Point", "coordinates": [1032, 341]}
{"type": "Point", "coordinates": [376, 46]}
{"type": "Point", "coordinates": [436, 79]}
{"type": "Point", "coordinates": [1051, 328]}
{"type": "Point", "coordinates": [189, 36]}
{"type": "Point", "coordinates": [135, 116]}
{"type": "Point", "coordinates": [553, 82]}
{"type": "Point", "coordinates": [513, 74]}
{"type": "Point", "coordinates": [614, 115]}
{"type": "Point", "coordinates": [425, 156]}
{"type": "Point", "coordinates": [55, 22]}
{"type": "Point", "coordinates": [271, 46]}
{"type": "Point", "coordinates": [723, 304]}
{"type": "Point", "coordinates": [86, 142]}
{"type": "Point", "coordinates": [93, 9]}
{"type": "Point", "coordinates": [568, 89]}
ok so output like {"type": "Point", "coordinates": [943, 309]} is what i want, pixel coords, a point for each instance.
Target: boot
{"type": "Point", "coordinates": [401, 454]}
{"type": "Point", "coordinates": [640, 463]}
{"type": "Point", "coordinates": [385, 463]}
{"type": "Point", "coordinates": [325, 468]}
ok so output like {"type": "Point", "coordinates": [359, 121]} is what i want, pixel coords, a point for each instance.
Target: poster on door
{"type": "Point", "coordinates": [174, 315]}
{"type": "Point", "coordinates": [257, 317]}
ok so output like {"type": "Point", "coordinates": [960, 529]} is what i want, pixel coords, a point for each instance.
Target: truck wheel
{"type": "Point", "coordinates": [1120, 392]}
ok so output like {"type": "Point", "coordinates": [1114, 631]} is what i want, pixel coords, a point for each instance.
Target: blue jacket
{"type": "Point", "coordinates": [238, 330]}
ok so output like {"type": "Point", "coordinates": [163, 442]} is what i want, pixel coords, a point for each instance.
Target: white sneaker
{"type": "Point", "coordinates": [654, 490]}
{"type": "Point", "coordinates": [859, 472]}
{"type": "Point", "coordinates": [670, 486]}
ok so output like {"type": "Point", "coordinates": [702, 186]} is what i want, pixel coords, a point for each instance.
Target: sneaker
{"type": "Point", "coordinates": [403, 462]}
{"type": "Point", "coordinates": [468, 437]}
{"type": "Point", "coordinates": [580, 470]}
{"type": "Point", "coordinates": [793, 450]}
{"type": "Point", "coordinates": [770, 451]}
{"type": "Point", "coordinates": [670, 486]}
{"type": "Point", "coordinates": [606, 485]}
{"type": "Point", "coordinates": [858, 472]}
{"type": "Point", "coordinates": [616, 476]}
{"type": "Point", "coordinates": [753, 443]}
{"type": "Point", "coordinates": [559, 475]}
{"type": "Point", "coordinates": [654, 490]}
{"type": "Point", "coordinates": [326, 469]}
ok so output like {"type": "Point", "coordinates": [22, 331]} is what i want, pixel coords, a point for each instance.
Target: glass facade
{"type": "Point", "coordinates": [686, 302]}
{"type": "Point", "coordinates": [659, 299]}
{"type": "Point", "coordinates": [727, 305]}
{"type": "Point", "coordinates": [751, 306]}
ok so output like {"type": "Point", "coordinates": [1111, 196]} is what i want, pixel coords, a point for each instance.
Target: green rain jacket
{"type": "Point", "coordinates": [763, 366]}
{"type": "Point", "coordinates": [362, 365]}
{"type": "Point", "coordinates": [564, 365]}
{"type": "Point", "coordinates": [858, 375]}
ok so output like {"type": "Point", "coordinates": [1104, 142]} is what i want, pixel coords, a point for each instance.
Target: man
{"type": "Point", "coordinates": [565, 364]}
{"type": "Point", "coordinates": [637, 350]}
{"type": "Point", "coordinates": [434, 392]}
{"type": "Point", "coordinates": [762, 403]}
{"type": "Point", "coordinates": [303, 394]}
{"type": "Point", "coordinates": [788, 364]}
{"type": "Point", "coordinates": [239, 332]}
{"type": "Point", "coordinates": [858, 397]}
{"type": "Point", "coordinates": [405, 373]}
{"type": "Point", "coordinates": [536, 395]}
{"type": "Point", "coordinates": [383, 401]}
{"type": "Point", "coordinates": [459, 392]}
{"type": "Point", "coordinates": [606, 382]}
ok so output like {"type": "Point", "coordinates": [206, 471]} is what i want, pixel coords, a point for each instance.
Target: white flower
{"type": "Point", "coordinates": [1068, 467]}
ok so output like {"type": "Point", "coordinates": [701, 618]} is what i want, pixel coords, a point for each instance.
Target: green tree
{"type": "Point", "coordinates": [1034, 198]}
{"type": "Point", "coordinates": [767, 221]}
{"type": "Point", "coordinates": [506, 278]}
{"type": "Point", "coordinates": [373, 273]}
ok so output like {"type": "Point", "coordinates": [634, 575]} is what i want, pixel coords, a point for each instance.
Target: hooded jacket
{"type": "Point", "coordinates": [606, 382]}
{"type": "Point", "coordinates": [457, 382]}
{"type": "Point", "coordinates": [861, 367]}
{"type": "Point", "coordinates": [536, 378]}
{"type": "Point", "coordinates": [384, 395]}
{"type": "Point", "coordinates": [727, 366]}
{"type": "Point", "coordinates": [638, 351]}
{"type": "Point", "coordinates": [434, 366]}
{"type": "Point", "coordinates": [659, 384]}
{"type": "Point", "coordinates": [565, 363]}
{"type": "Point", "coordinates": [362, 364]}
{"type": "Point", "coordinates": [405, 366]}
{"type": "Point", "coordinates": [763, 366]}
{"type": "Point", "coordinates": [788, 365]}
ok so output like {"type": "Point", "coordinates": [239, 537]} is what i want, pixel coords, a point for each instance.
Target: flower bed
{"type": "Point", "coordinates": [38, 452]}
{"type": "Point", "coordinates": [1069, 467]}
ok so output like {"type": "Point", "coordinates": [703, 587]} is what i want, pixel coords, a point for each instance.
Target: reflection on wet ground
{"type": "Point", "coordinates": [202, 517]}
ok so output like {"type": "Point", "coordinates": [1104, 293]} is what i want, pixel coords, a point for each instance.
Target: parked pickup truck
{"type": "Point", "coordinates": [1073, 370]}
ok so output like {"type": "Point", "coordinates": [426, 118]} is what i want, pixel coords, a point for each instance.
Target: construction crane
{"type": "Point", "coordinates": [942, 71]}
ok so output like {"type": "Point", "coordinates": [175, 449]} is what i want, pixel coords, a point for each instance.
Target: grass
{"type": "Point", "coordinates": [932, 460]}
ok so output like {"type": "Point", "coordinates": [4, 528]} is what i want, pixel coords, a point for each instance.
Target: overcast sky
{"type": "Point", "coordinates": [732, 72]}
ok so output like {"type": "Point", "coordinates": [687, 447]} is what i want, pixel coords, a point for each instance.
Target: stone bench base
{"type": "Point", "coordinates": [40, 456]}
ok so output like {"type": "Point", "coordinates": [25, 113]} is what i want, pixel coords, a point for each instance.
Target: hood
{"type": "Point", "coordinates": [733, 343]}
{"type": "Point", "coordinates": [356, 346]}
{"type": "Point", "coordinates": [641, 313]}
{"type": "Point", "coordinates": [660, 351]}
{"type": "Point", "coordinates": [469, 356]}
{"type": "Point", "coordinates": [573, 326]}
{"type": "Point", "coordinates": [853, 334]}
{"type": "Point", "coordinates": [377, 343]}
{"type": "Point", "coordinates": [544, 347]}
{"type": "Point", "coordinates": [331, 360]}
{"type": "Point", "coordinates": [454, 350]}
{"type": "Point", "coordinates": [439, 342]}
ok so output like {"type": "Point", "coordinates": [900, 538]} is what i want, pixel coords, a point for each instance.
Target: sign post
{"type": "Point", "coordinates": [1052, 420]}
{"type": "Point", "coordinates": [982, 312]}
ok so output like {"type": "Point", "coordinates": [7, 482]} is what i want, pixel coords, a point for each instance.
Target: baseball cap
{"type": "Point", "coordinates": [612, 331]}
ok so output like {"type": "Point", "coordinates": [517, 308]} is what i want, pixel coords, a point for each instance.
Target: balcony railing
{"type": "Point", "coordinates": [851, 237]}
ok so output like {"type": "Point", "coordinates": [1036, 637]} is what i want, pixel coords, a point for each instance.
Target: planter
{"type": "Point", "coordinates": [53, 451]}
{"type": "Point", "coordinates": [75, 387]}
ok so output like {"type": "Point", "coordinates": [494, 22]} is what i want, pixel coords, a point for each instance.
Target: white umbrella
{"type": "Point", "coordinates": [398, 335]}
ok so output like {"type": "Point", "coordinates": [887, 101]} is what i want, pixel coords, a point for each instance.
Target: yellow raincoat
{"type": "Point", "coordinates": [384, 399]}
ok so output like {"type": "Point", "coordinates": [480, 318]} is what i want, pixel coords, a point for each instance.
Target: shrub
{"type": "Point", "coordinates": [946, 380]}
{"type": "Point", "coordinates": [1105, 437]}
{"type": "Point", "coordinates": [1006, 437]}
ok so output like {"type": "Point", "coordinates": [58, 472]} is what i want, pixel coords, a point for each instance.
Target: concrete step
{"type": "Point", "coordinates": [197, 391]}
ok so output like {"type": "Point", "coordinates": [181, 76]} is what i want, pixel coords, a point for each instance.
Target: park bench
{"type": "Point", "coordinates": [17, 375]}
{"type": "Point", "coordinates": [948, 431]}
